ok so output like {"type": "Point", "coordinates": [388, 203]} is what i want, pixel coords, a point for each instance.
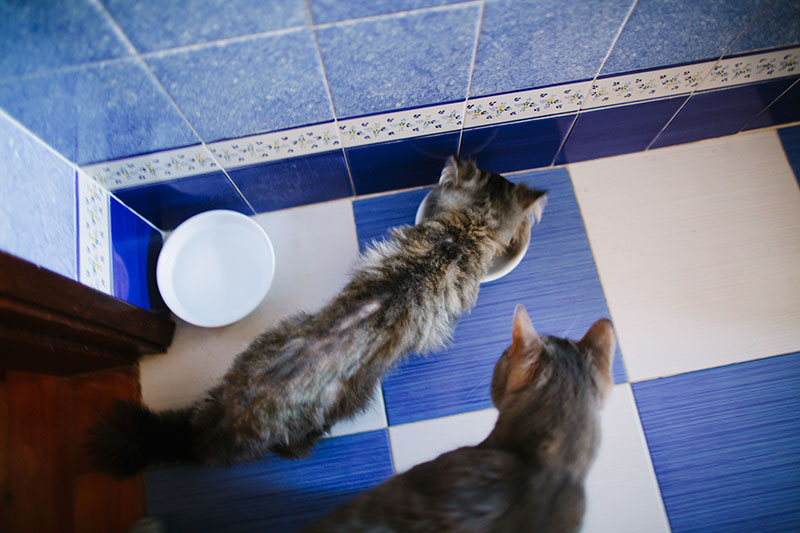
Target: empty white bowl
{"type": "Point", "coordinates": [215, 268]}
{"type": "Point", "coordinates": [501, 264]}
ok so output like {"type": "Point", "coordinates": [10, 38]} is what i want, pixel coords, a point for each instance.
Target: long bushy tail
{"type": "Point", "coordinates": [131, 437]}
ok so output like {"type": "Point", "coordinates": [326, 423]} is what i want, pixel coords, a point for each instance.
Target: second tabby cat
{"type": "Point", "coordinates": [293, 382]}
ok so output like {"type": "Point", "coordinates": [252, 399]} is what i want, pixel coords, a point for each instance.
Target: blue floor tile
{"type": "Point", "coordinates": [618, 130]}
{"type": "Point", "coordinates": [295, 181]}
{"type": "Point", "coordinates": [271, 495]}
{"type": "Point", "coordinates": [135, 246]}
{"type": "Point", "coordinates": [783, 111]}
{"type": "Point", "coordinates": [790, 138]}
{"type": "Point", "coordinates": [518, 145]}
{"type": "Point", "coordinates": [557, 282]}
{"type": "Point", "coordinates": [51, 34]}
{"type": "Point", "coordinates": [725, 444]}
{"type": "Point", "coordinates": [159, 25]}
{"type": "Point", "coordinates": [167, 204]}
{"type": "Point", "coordinates": [375, 167]}
{"type": "Point", "coordinates": [718, 113]}
{"type": "Point", "coordinates": [38, 219]}
{"type": "Point", "coordinates": [534, 44]}
{"type": "Point", "coordinates": [400, 61]}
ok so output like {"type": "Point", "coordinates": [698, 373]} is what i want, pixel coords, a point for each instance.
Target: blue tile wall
{"type": "Point", "coordinates": [155, 26]}
{"type": "Point", "coordinates": [517, 145]}
{"type": "Point", "coordinates": [38, 217]}
{"type": "Point", "coordinates": [96, 112]}
{"type": "Point", "coordinates": [785, 109]}
{"type": "Point", "coordinates": [725, 445]}
{"type": "Point", "coordinates": [661, 32]}
{"type": "Point", "coordinates": [777, 25]}
{"type": "Point", "coordinates": [533, 44]}
{"type": "Point", "coordinates": [618, 130]}
{"type": "Point", "coordinates": [375, 167]}
{"type": "Point", "coordinates": [272, 495]}
{"type": "Point", "coordinates": [259, 84]}
{"type": "Point", "coordinates": [323, 11]}
{"type": "Point", "coordinates": [294, 181]}
{"type": "Point", "coordinates": [717, 113]}
{"type": "Point", "coordinates": [790, 138]}
{"type": "Point", "coordinates": [399, 61]}
{"type": "Point", "coordinates": [49, 34]}
{"type": "Point", "coordinates": [169, 203]}
{"type": "Point", "coordinates": [135, 246]}
{"type": "Point", "coordinates": [557, 282]}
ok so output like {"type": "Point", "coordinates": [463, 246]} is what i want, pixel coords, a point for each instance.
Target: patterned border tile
{"type": "Point", "coordinates": [94, 244]}
{"type": "Point", "coordinates": [152, 168]}
{"type": "Point", "coordinates": [526, 104]}
{"type": "Point", "coordinates": [401, 124]}
{"type": "Point", "coordinates": [360, 131]}
{"type": "Point", "coordinates": [276, 145]}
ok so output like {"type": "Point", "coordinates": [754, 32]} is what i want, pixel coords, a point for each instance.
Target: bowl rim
{"type": "Point", "coordinates": [183, 234]}
{"type": "Point", "coordinates": [490, 276]}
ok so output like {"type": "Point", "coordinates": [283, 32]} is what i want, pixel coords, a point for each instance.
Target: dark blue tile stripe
{"type": "Point", "coordinates": [557, 282]}
{"type": "Point", "coordinates": [271, 495]}
{"type": "Point", "coordinates": [785, 109]}
{"type": "Point", "coordinates": [725, 445]}
{"type": "Point", "coordinates": [790, 138]}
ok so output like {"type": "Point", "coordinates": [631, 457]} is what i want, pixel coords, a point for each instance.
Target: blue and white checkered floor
{"type": "Point", "coordinates": [693, 251]}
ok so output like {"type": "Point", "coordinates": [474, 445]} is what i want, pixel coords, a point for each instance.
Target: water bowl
{"type": "Point", "coordinates": [215, 268]}
{"type": "Point", "coordinates": [501, 264]}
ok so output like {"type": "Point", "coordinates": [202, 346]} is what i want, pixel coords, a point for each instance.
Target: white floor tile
{"type": "Point", "coordinates": [315, 249]}
{"type": "Point", "coordinates": [698, 248]}
{"type": "Point", "coordinates": [373, 418]}
{"type": "Point", "coordinates": [621, 489]}
{"type": "Point", "coordinates": [419, 442]}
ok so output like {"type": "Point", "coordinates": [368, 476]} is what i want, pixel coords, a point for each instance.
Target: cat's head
{"type": "Point", "coordinates": [509, 209]}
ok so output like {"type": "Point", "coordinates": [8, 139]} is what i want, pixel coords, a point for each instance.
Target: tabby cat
{"type": "Point", "coordinates": [528, 474]}
{"type": "Point", "coordinates": [295, 381]}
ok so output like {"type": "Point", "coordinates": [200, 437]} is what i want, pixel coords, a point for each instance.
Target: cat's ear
{"type": "Point", "coordinates": [522, 334]}
{"type": "Point", "coordinates": [523, 354]}
{"type": "Point", "coordinates": [600, 343]}
{"type": "Point", "coordinates": [456, 171]}
{"type": "Point", "coordinates": [531, 201]}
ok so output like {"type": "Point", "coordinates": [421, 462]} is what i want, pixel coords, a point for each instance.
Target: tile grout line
{"type": "Point", "coordinates": [594, 79]}
{"type": "Point", "coordinates": [717, 62]}
{"type": "Point", "coordinates": [789, 88]}
{"type": "Point", "coordinates": [443, 7]}
{"type": "Point", "coordinates": [138, 57]}
{"type": "Point", "coordinates": [478, 30]}
{"type": "Point", "coordinates": [318, 49]}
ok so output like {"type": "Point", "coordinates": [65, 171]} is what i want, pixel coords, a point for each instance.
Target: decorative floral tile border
{"type": "Point", "coordinates": [534, 103]}
{"type": "Point", "coordinates": [94, 246]}
{"type": "Point", "coordinates": [276, 145]}
{"type": "Point", "coordinates": [401, 124]}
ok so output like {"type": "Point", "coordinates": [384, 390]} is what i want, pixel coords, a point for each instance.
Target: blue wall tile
{"type": "Point", "coordinates": [135, 246]}
{"type": "Point", "coordinates": [38, 219]}
{"type": "Point", "coordinates": [790, 138]}
{"type": "Point", "coordinates": [618, 130]}
{"type": "Point", "coordinates": [778, 25]}
{"type": "Point", "coordinates": [533, 44]}
{"type": "Point", "coordinates": [557, 282]}
{"type": "Point", "coordinates": [725, 445]}
{"type": "Point", "coordinates": [323, 11]}
{"type": "Point", "coordinates": [717, 113]}
{"type": "Point", "coordinates": [661, 32]}
{"type": "Point", "coordinates": [400, 61]}
{"type": "Point", "coordinates": [159, 25]}
{"type": "Point", "coordinates": [97, 112]}
{"type": "Point", "coordinates": [167, 204]}
{"type": "Point", "coordinates": [294, 181]}
{"type": "Point", "coordinates": [784, 110]}
{"type": "Point", "coordinates": [239, 88]}
{"type": "Point", "coordinates": [400, 164]}
{"type": "Point", "coordinates": [518, 145]}
{"type": "Point", "coordinates": [271, 495]}
{"type": "Point", "coordinates": [50, 34]}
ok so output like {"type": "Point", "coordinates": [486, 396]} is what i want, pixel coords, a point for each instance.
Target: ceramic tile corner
{"type": "Point", "coordinates": [94, 243]}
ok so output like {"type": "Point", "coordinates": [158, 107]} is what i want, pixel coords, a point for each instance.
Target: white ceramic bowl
{"type": "Point", "coordinates": [215, 268]}
{"type": "Point", "coordinates": [501, 264]}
